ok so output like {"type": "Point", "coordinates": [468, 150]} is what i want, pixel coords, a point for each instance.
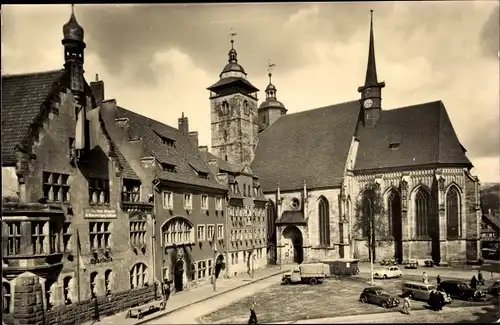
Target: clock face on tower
{"type": "Point", "coordinates": [368, 103]}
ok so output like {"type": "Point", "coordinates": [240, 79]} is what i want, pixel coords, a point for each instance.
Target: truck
{"type": "Point", "coordinates": [312, 273]}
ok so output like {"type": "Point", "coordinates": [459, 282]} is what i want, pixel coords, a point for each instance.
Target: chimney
{"type": "Point", "coordinates": [193, 137]}
{"type": "Point", "coordinates": [203, 148]}
{"type": "Point", "coordinates": [97, 88]}
{"type": "Point", "coordinates": [183, 124]}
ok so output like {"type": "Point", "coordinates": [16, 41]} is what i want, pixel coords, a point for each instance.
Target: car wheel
{"type": "Point", "coordinates": [384, 304]}
{"type": "Point", "coordinates": [313, 281]}
{"type": "Point", "coordinates": [363, 299]}
{"type": "Point", "coordinates": [286, 281]}
{"type": "Point", "coordinates": [410, 295]}
{"type": "Point", "coordinates": [470, 298]}
{"type": "Point", "coordinates": [385, 276]}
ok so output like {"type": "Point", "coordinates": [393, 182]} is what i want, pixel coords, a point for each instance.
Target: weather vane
{"type": "Point", "coordinates": [232, 35]}
{"type": "Point", "coordinates": [270, 66]}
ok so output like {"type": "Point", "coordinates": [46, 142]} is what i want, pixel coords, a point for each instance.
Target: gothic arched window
{"type": "Point", "coordinates": [453, 213]}
{"type": "Point", "coordinates": [225, 107]}
{"type": "Point", "coordinates": [324, 222]}
{"type": "Point", "coordinates": [422, 211]}
{"type": "Point", "coordinates": [138, 275]}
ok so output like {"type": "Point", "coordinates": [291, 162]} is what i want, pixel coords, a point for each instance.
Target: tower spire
{"type": "Point", "coordinates": [371, 69]}
{"type": "Point", "coordinates": [270, 89]}
{"type": "Point", "coordinates": [233, 56]}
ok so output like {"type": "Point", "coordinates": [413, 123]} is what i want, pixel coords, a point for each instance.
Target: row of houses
{"type": "Point", "coordinates": [98, 199]}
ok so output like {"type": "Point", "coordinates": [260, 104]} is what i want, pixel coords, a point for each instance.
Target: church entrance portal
{"type": "Point", "coordinates": [295, 236]}
{"type": "Point", "coordinates": [396, 224]}
{"type": "Point", "coordinates": [178, 275]}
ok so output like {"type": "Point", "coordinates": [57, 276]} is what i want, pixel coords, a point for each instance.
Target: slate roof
{"type": "Point", "coordinates": [223, 165]}
{"type": "Point", "coordinates": [127, 171]}
{"type": "Point", "coordinates": [226, 81]}
{"type": "Point", "coordinates": [309, 146]}
{"type": "Point", "coordinates": [22, 99]}
{"type": "Point", "coordinates": [184, 156]}
{"type": "Point", "coordinates": [494, 220]}
{"type": "Point", "coordinates": [426, 137]}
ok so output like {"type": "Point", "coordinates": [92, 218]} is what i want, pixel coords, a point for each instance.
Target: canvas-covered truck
{"type": "Point", "coordinates": [312, 273]}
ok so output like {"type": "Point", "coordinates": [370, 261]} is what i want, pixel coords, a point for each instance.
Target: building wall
{"type": "Point", "coordinates": [52, 149]}
{"type": "Point", "coordinates": [234, 135]}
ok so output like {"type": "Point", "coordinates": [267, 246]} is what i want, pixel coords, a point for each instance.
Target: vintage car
{"type": "Point", "coordinates": [387, 272]}
{"type": "Point", "coordinates": [378, 296]}
{"type": "Point", "coordinates": [312, 273]}
{"type": "Point", "coordinates": [411, 264]}
{"type": "Point", "coordinates": [460, 290]}
{"type": "Point", "coordinates": [421, 291]}
{"type": "Point", "coordinates": [494, 289]}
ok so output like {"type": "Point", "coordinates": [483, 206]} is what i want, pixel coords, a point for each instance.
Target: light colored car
{"type": "Point", "coordinates": [422, 291]}
{"type": "Point", "coordinates": [387, 272]}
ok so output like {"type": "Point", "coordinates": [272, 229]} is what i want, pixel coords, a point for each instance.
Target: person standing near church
{"type": "Point", "coordinates": [424, 278]}
{"type": "Point", "coordinates": [253, 314]}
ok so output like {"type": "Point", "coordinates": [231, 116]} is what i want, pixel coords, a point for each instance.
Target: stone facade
{"type": "Point", "coordinates": [234, 127]}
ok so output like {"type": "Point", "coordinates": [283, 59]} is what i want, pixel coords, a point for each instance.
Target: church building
{"type": "Point", "coordinates": [313, 166]}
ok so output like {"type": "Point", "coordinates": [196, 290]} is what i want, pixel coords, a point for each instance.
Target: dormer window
{"type": "Point", "coordinates": [203, 175]}
{"type": "Point", "coordinates": [169, 168]}
{"type": "Point", "coordinates": [168, 142]}
{"type": "Point", "coordinates": [395, 142]}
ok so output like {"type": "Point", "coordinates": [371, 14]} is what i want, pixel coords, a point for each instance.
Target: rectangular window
{"type": "Point", "coordinates": [98, 191]}
{"type": "Point", "coordinates": [54, 238]}
{"type": "Point", "coordinates": [210, 232]}
{"type": "Point", "coordinates": [37, 236]}
{"type": "Point", "coordinates": [168, 142]}
{"type": "Point", "coordinates": [55, 187]}
{"type": "Point", "coordinates": [14, 238]}
{"type": "Point", "coordinates": [188, 201]}
{"type": "Point", "coordinates": [202, 269]}
{"type": "Point", "coordinates": [204, 202]}
{"type": "Point", "coordinates": [66, 233]}
{"type": "Point", "coordinates": [138, 233]}
{"type": "Point", "coordinates": [131, 191]}
{"type": "Point", "coordinates": [168, 200]}
{"type": "Point", "coordinates": [218, 203]}
{"type": "Point", "coordinates": [201, 233]}
{"type": "Point", "coordinates": [220, 231]}
{"type": "Point", "coordinates": [99, 234]}
{"type": "Point", "coordinates": [169, 168]}
{"type": "Point", "coordinates": [203, 175]}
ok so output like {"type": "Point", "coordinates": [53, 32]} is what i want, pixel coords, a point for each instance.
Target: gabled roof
{"type": "Point", "coordinates": [22, 99]}
{"type": "Point", "coordinates": [223, 165]}
{"type": "Point", "coordinates": [424, 131]}
{"type": "Point", "coordinates": [309, 146]}
{"type": "Point", "coordinates": [183, 155]}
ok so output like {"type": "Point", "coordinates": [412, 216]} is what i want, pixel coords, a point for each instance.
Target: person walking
{"type": "Point", "coordinates": [253, 314]}
{"type": "Point", "coordinates": [438, 280]}
{"type": "Point", "coordinates": [473, 282]}
{"type": "Point", "coordinates": [407, 304]}
{"type": "Point", "coordinates": [480, 279]}
{"type": "Point", "coordinates": [424, 278]}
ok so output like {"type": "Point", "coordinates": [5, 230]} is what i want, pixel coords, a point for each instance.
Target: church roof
{"type": "Point", "coordinates": [183, 155]}
{"type": "Point", "coordinates": [423, 134]}
{"type": "Point", "coordinates": [309, 146]}
{"type": "Point", "coordinates": [313, 145]}
{"type": "Point", "coordinates": [222, 164]}
{"type": "Point", "coordinates": [22, 99]}
{"type": "Point", "coordinates": [232, 80]}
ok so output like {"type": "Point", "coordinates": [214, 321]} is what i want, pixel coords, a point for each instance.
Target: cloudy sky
{"type": "Point", "coordinates": [158, 60]}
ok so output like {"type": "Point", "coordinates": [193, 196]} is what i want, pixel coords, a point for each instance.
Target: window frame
{"type": "Point", "coordinates": [188, 201]}
{"type": "Point", "coordinates": [204, 202]}
{"type": "Point", "coordinates": [203, 231]}
{"type": "Point", "coordinates": [38, 237]}
{"type": "Point", "coordinates": [100, 187]}
{"type": "Point", "coordinates": [13, 238]}
{"type": "Point", "coordinates": [56, 187]}
{"type": "Point", "coordinates": [169, 202]}
{"type": "Point", "coordinates": [101, 236]}
{"type": "Point", "coordinates": [131, 190]}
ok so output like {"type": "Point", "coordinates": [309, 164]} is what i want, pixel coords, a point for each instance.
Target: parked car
{"type": "Point", "coordinates": [461, 290]}
{"type": "Point", "coordinates": [378, 296]}
{"type": "Point", "coordinates": [387, 272]}
{"type": "Point", "coordinates": [421, 291]}
{"type": "Point", "coordinates": [494, 289]}
{"type": "Point", "coordinates": [411, 264]}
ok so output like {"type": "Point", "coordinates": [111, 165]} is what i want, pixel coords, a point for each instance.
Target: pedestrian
{"type": "Point", "coordinates": [438, 280]}
{"type": "Point", "coordinates": [473, 282]}
{"type": "Point", "coordinates": [424, 278]}
{"type": "Point", "coordinates": [407, 303]}
{"type": "Point", "coordinates": [480, 279]}
{"type": "Point", "coordinates": [432, 302]}
{"type": "Point", "coordinates": [167, 291]}
{"type": "Point", "coordinates": [253, 314]}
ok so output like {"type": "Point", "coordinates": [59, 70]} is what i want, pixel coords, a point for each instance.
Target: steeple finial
{"type": "Point", "coordinates": [232, 35]}
{"type": "Point", "coordinates": [233, 56]}
{"type": "Point", "coordinates": [371, 69]}
{"type": "Point", "coordinates": [270, 67]}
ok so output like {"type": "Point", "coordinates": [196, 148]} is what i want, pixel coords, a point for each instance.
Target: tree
{"type": "Point", "coordinates": [371, 219]}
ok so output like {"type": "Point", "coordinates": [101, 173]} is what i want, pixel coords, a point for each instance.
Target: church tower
{"type": "Point", "coordinates": [233, 108]}
{"type": "Point", "coordinates": [270, 109]}
{"type": "Point", "coordinates": [371, 92]}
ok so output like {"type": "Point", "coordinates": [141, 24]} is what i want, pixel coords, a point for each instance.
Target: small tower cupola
{"type": "Point", "coordinates": [233, 68]}
{"type": "Point", "coordinates": [371, 92]}
{"type": "Point", "coordinates": [270, 109]}
{"type": "Point", "coordinates": [74, 48]}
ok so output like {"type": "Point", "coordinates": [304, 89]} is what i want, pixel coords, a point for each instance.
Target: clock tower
{"type": "Point", "coordinates": [371, 92]}
{"type": "Point", "coordinates": [233, 111]}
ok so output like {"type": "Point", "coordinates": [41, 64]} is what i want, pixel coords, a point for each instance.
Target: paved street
{"type": "Point", "coordinates": [333, 298]}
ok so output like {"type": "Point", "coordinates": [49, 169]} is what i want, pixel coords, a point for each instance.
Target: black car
{"type": "Point", "coordinates": [460, 290]}
{"type": "Point", "coordinates": [494, 289]}
{"type": "Point", "coordinates": [378, 296]}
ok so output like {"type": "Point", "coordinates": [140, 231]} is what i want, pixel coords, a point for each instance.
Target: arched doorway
{"type": "Point", "coordinates": [395, 223]}
{"type": "Point", "coordinates": [178, 275]}
{"type": "Point", "coordinates": [293, 234]}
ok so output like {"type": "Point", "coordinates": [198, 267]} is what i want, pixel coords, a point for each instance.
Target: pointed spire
{"type": "Point", "coordinates": [233, 56]}
{"type": "Point", "coordinates": [371, 69]}
{"type": "Point", "coordinates": [270, 89]}
{"type": "Point", "coordinates": [72, 30]}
